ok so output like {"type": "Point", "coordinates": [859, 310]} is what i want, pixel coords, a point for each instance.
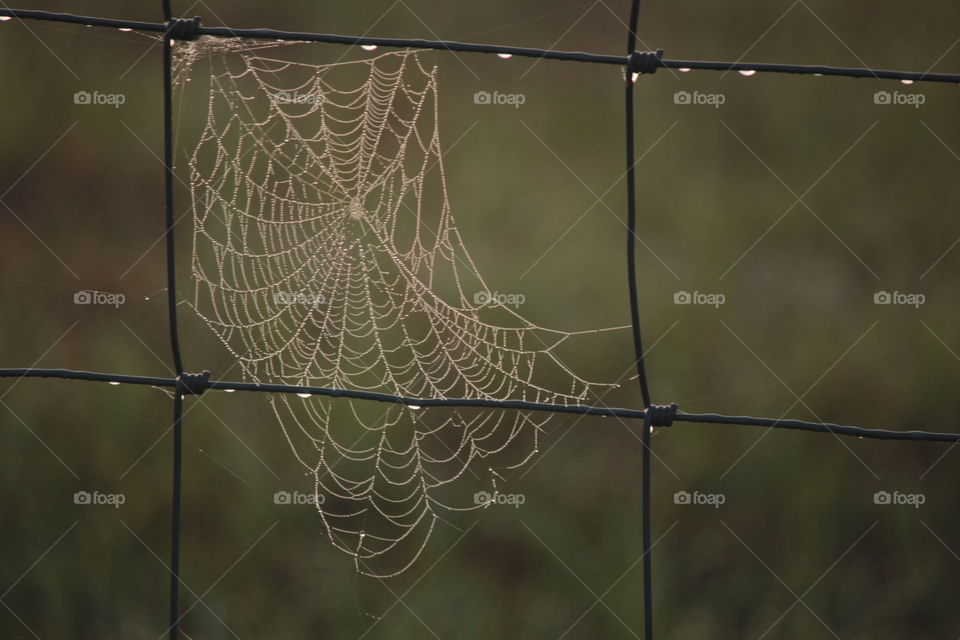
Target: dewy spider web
{"type": "Point", "coordinates": [325, 254]}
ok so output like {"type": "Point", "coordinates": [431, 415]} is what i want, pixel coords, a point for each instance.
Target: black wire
{"type": "Point", "coordinates": [632, 216]}
{"type": "Point", "coordinates": [810, 69]}
{"type": "Point", "coordinates": [647, 548]}
{"type": "Point", "coordinates": [575, 56]}
{"type": "Point", "coordinates": [520, 405]}
{"type": "Point", "coordinates": [168, 185]}
{"type": "Point", "coordinates": [820, 427]}
{"type": "Point", "coordinates": [177, 470]}
{"type": "Point", "coordinates": [175, 516]}
{"type": "Point", "coordinates": [645, 438]}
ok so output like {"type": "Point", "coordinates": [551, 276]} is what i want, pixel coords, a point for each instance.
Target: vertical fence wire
{"type": "Point", "coordinates": [174, 629]}
{"type": "Point", "coordinates": [645, 438]}
{"type": "Point", "coordinates": [177, 471]}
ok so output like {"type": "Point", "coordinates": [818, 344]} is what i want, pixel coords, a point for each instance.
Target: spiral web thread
{"type": "Point", "coordinates": [325, 253]}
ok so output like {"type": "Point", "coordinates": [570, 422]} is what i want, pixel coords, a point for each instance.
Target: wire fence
{"type": "Point", "coordinates": [635, 63]}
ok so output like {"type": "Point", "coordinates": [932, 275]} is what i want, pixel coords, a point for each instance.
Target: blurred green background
{"type": "Point", "coordinates": [538, 196]}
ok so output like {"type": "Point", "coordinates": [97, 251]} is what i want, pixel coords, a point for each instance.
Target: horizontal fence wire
{"type": "Point", "coordinates": [479, 403]}
{"type": "Point", "coordinates": [467, 47]}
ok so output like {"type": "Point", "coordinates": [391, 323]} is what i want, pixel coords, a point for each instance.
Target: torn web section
{"type": "Point", "coordinates": [325, 253]}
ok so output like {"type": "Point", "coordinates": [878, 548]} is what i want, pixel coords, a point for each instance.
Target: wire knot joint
{"type": "Point", "coordinates": [641, 62]}
{"type": "Point", "coordinates": [661, 415]}
{"type": "Point", "coordinates": [193, 384]}
{"type": "Point", "coordinates": [183, 29]}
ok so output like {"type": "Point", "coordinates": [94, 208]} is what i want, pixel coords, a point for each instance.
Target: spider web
{"type": "Point", "coordinates": [325, 254]}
